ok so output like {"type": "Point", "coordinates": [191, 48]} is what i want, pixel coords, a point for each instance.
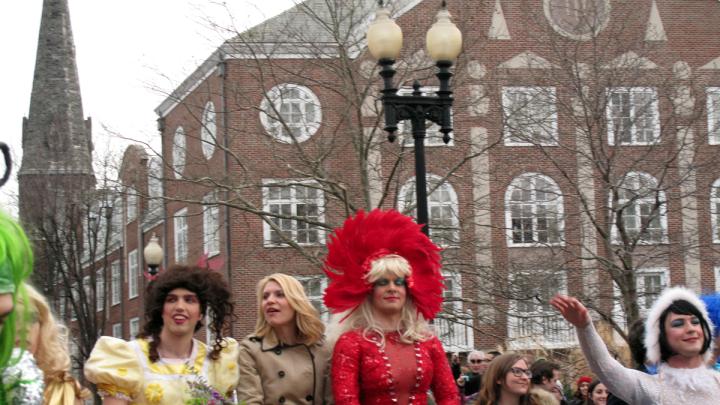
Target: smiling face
{"type": "Point", "coordinates": [478, 362]}
{"type": "Point", "coordinates": [516, 381]}
{"type": "Point", "coordinates": [583, 387]}
{"type": "Point", "coordinates": [275, 306]}
{"type": "Point", "coordinates": [684, 334]}
{"type": "Point", "coordinates": [389, 295]}
{"type": "Point", "coordinates": [599, 394]}
{"type": "Point", "coordinates": [181, 312]}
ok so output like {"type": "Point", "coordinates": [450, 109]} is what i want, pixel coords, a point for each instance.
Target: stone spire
{"type": "Point", "coordinates": [57, 142]}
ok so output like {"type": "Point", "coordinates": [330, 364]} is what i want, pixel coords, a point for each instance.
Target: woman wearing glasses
{"type": "Point", "coordinates": [506, 382]}
{"type": "Point", "coordinates": [385, 282]}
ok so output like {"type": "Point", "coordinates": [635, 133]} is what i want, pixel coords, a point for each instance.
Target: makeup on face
{"type": "Point", "coordinates": [382, 282]}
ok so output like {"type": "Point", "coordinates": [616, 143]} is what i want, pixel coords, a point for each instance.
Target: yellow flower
{"type": "Point", "coordinates": [154, 393]}
{"type": "Point", "coordinates": [122, 371]}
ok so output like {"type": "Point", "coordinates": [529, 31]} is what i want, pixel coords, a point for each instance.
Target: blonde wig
{"type": "Point", "coordinates": [412, 327]}
{"type": "Point", "coordinates": [309, 327]}
{"type": "Point", "coordinates": [51, 340]}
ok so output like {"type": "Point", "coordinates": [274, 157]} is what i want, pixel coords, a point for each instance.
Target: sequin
{"type": "Point", "coordinates": [26, 379]}
{"type": "Point", "coordinates": [357, 356]}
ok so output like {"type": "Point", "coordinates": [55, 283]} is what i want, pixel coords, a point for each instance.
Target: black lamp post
{"type": "Point", "coordinates": [153, 255]}
{"type": "Point", "coordinates": [444, 42]}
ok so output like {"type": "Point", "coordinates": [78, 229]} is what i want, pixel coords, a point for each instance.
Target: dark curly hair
{"type": "Point", "coordinates": [212, 292]}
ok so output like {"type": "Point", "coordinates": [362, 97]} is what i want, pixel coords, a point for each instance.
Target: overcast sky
{"type": "Point", "coordinates": [124, 49]}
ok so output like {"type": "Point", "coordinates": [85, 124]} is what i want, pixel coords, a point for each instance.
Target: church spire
{"type": "Point", "coordinates": [56, 136]}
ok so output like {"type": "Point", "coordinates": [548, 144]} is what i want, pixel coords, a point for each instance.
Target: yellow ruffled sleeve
{"type": "Point", "coordinates": [224, 373]}
{"type": "Point", "coordinates": [114, 367]}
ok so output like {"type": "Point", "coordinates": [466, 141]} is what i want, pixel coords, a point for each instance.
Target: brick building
{"type": "Point", "coordinates": [583, 159]}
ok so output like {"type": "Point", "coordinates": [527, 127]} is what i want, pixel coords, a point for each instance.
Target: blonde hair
{"type": "Point", "coordinates": [51, 353]}
{"type": "Point", "coordinates": [309, 327]}
{"type": "Point", "coordinates": [412, 327]}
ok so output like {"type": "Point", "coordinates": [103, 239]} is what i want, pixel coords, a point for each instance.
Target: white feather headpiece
{"type": "Point", "coordinates": [652, 324]}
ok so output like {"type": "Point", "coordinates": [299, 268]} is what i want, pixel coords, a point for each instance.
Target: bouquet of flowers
{"type": "Point", "coordinates": [202, 393]}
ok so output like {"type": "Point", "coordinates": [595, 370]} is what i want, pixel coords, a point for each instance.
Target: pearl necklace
{"type": "Point", "coordinates": [388, 366]}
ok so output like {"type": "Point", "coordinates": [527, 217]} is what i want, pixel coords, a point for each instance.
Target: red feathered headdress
{"type": "Point", "coordinates": [367, 237]}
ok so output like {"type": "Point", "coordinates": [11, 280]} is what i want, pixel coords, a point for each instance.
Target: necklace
{"type": "Point", "coordinates": [391, 381]}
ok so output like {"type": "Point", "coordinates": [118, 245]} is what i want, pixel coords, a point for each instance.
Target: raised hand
{"type": "Point", "coordinates": [571, 309]}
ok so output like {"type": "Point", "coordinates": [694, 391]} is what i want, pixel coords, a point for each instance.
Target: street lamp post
{"type": "Point", "coordinates": [153, 255]}
{"type": "Point", "coordinates": [444, 42]}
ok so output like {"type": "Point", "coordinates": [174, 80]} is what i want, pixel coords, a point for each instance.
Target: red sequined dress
{"type": "Point", "coordinates": [363, 372]}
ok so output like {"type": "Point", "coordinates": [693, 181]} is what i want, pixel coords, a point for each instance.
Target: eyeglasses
{"type": "Point", "coordinates": [519, 372]}
{"type": "Point", "coordinates": [478, 361]}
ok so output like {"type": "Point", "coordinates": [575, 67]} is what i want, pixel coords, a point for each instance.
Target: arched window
{"type": "Point", "coordinates": [208, 131]}
{"type": "Point", "coordinates": [155, 185]}
{"type": "Point", "coordinates": [290, 112]}
{"type": "Point", "coordinates": [534, 210]}
{"type": "Point", "coordinates": [715, 210]}
{"type": "Point", "coordinates": [442, 209]}
{"type": "Point", "coordinates": [643, 209]}
{"type": "Point", "coordinates": [178, 152]}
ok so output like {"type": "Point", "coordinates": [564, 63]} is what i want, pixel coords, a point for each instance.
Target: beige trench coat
{"type": "Point", "coordinates": [272, 373]}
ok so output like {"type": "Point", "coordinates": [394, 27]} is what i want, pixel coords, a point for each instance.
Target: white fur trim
{"type": "Point", "coordinates": [652, 324]}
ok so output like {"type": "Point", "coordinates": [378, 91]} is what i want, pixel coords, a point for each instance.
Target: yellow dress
{"type": "Point", "coordinates": [122, 369]}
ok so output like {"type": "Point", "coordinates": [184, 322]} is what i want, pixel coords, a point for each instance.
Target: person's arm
{"type": "Point", "coordinates": [345, 370]}
{"type": "Point", "coordinates": [625, 383]}
{"type": "Point", "coordinates": [443, 385]}
{"type": "Point", "coordinates": [249, 388]}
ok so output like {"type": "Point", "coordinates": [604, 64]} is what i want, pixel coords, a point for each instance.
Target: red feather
{"type": "Point", "coordinates": [366, 237]}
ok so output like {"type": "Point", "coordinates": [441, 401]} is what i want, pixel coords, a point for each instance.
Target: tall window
{"type": "Point", "coordinates": [211, 225]}
{"type": "Point", "coordinates": [132, 202]}
{"type": "Point", "coordinates": [117, 330]}
{"type": "Point", "coordinates": [314, 287]}
{"type": "Point", "coordinates": [454, 325]}
{"type": "Point", "coordinates": [115, 282]}
{"type": "Point", "coordinates": [433, 136]}
{"type": "Point", "coordinates": [293, 208]}
{"type": "Point", "coordinates": [632, 115]}
{"type": "Point", "coordinates": [713, 114]}
{"type": "Point", "coordinates": [717, 278]}
{"type": "Point", "coordinates": [100, 289]}
{"type": "Point", "coordinates": [443, 217]}
{"type": "Point", "coordinates": [155, 186]}
{"type": "Point", "coordinates": [133, 274]}
{"type": "Point", "coordinates": [178, 152]}
{"type": "Point", "coordinates": [208, 130]}
{"type": "Point", "coordinates": [534, 210]}
{"type": "Point", "coordinates": [134, 327]}
{"type": "Point", "coordinates": [530, 116]}
{"type": "Point", "coordinates": [117, 220]}
{"type": "Point", "coordinates": [715, 210]}
{"type": "Point", "coordinates": [181, 235]}
{"type": "Point", "coordinates": [290, 113]}
{"type": "Point", "coordinates": [644, 210]}
{"type": "Point", "coordinates": [649, 284]}
{"type": "Point", "coordinates": [532, 320]}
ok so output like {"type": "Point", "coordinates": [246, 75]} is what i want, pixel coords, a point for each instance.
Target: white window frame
{"type": "Point", "coordinates": [180, 232]}
{"type": "Point", "coordinates": [321, 282]}
{"type": "Point", "coordinates": [544, 121]}
{"type": "Point", "coordinates": [433, 136]}
{"type": "Point", "coordinates": [406, 201]}
{"type": "Point", "coordinates": [618, 313]}
{"type": "Point", "coordinates": [116, 283]}
{"type": "Point", "coordinates": [715, 210]}
{"type": "Point", "coordinates": [134, 327]}
{"type": "Point", "coordinates": [118, 225]}
{"type": "Point", "coordinates": [133, 274]}
{"type": "Point", "coordinates": [534, 328]}
{"type": "Point", "coordinates": [272, 104]}
{"type": "Point", "coordinates": [534, 205]}
{"type": "Point", "coordinates": [100, 289]}
{"type": "Point", "coordinates": [649, 199]}
{"type": "Point", "coordinates": [211, 225]}
{"type": "Point", "coordinates": [716, 270]}
{"type": "Point", "coordinates": [179, 152]}
{"type": "Point", "coordinates": [454, 326]}
{"type": "Point", "coordinates": [117, 330]}
{"type": "Point", "coordinates": [208, 130]}
{"type": "Point", "coordinates": [132, 204]}
{"type": "Point", "coordinates": [713, 114]}
{"type": "Point", "coordinates": [293, 202]}
{"type": "Point", "coordinates": [155, 184]}
{"type": "Point", "coordinates": [653, 106]}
